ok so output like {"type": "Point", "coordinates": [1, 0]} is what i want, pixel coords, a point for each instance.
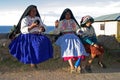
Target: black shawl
{"type": "Point", "coordinates": [72, 16]}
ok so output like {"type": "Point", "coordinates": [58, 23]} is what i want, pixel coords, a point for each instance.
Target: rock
{"type": "Point", "coordinates": [3, 35]}
{"type": "Point", "coordinates": [111, 45]}
{"type": "Point", "coordinates": [4, 42]}
{"type": "Point", "coordinates": [109, 42]}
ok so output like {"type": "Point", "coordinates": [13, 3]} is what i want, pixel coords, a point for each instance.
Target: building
{"type": "Point", "coordinates": [107, 25]}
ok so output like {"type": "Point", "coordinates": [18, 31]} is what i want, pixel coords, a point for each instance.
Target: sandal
{"type": "Point", "coordinates": [102, 65]}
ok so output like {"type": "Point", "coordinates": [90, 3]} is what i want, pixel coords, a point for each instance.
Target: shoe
{"type": "Point", "coordinates": [102, 65]}
{"type": "Point", "coordinates": [88, 69]}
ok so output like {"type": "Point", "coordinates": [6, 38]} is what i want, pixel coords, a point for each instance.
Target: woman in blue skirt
{"type": "Point", "coordinates": [31, 46]}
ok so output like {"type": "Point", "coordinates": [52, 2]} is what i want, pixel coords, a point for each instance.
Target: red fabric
{"type": "Point", "coordinates": [93, 50]}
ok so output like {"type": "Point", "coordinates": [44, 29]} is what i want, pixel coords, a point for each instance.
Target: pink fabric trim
{"type": "Point", "coordinates": [73, 58]}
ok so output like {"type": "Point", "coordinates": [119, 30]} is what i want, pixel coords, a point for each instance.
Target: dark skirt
{"type": "Point", "coordinates": [31, 48]}
{"type": "Point", "coordinates": [93, 50]}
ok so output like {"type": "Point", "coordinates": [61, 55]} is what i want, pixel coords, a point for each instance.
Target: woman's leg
{"type": "Point", "coordinates": [77, 63]}
{"type": "Point", "coordinates": [71, 64]}
{"type": "Point", "coordinates": [88, 66]}
{"type": "Point", "coordinates": [100, 57]}
{"type": "Point", "coordinates": [92, 56]}
{"type": "Point", "coordinates": [100, 62]}
{"type": "Point", "coordinates": [72, 68]}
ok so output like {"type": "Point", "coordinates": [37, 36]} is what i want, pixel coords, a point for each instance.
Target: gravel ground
{"type": "Point", "coordinates": [109, 74]}
{"type": "Point", "coordinates": [57, 70]}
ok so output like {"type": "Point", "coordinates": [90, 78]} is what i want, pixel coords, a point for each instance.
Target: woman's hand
{"type": "Point", "coordinates": [95, 45]}
{"type": "Point", "coordinates": [33, 25]}
{"type": "Point", "coordinates": [42, 29]}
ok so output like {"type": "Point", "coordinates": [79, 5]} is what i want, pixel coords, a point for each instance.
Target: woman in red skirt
{"type": "Point", "coordinates": [90, 42]}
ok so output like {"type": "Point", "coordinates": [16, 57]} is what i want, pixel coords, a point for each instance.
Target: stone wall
{"type": "Point", "coordinates": [109, 42]}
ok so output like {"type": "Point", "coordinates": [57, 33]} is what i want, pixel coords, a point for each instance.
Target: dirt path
{"type": "Point", "coordinates": [112, 72]}
{"type": "Point", "coordinates": [59, 75]}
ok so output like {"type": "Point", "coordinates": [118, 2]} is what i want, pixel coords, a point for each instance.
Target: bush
{"type": "Point", "coordinates": [118, 39]}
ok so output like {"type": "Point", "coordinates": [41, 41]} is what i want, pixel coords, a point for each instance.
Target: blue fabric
{"type": "Point", "coordinates": [71, 46]}
{"type": "Point", "coordinates": [90, 40]}
{"type": "Point", "coordinates": [31, 48]}
{"type": "Point", "coordinates": [77, 63]}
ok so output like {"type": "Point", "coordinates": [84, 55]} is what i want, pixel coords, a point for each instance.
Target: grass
{"type": "Point", "coordinates": [118, 38]}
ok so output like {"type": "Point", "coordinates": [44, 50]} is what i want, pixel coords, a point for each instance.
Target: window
{"type": "Point", "coordinates": [102, 26]}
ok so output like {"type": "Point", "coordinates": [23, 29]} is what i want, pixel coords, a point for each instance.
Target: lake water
{"type": "Point", "coordinates": [6, 29]}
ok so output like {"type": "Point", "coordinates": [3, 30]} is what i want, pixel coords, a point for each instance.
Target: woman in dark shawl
{"type": "Point", "coordinates": [16, 29]}
{"type": "Point", "coordinates": [31, 47]}
{"type": "Point", "coordinates": [70, 44]}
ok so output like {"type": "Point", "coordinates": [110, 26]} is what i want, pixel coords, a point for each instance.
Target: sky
{"type": "Point", "coordinates": [51, 10]}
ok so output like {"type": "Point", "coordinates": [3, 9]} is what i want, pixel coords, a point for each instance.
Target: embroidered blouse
{"type": "Point", "coordinates": [67, 26]}
{"type": "Point", "coordinates": [26, 22]}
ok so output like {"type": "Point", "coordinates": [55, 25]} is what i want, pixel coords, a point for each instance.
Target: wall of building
{"type": "Point", "coordinates": [96, 26]}
{"type": "Point", "coordinates": [110, 28]}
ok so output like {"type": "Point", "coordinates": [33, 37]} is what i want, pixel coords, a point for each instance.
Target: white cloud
{"type": "Point", "coordinates": [9, 17]}
{"type": "Point", "coordinates": [50, 12]}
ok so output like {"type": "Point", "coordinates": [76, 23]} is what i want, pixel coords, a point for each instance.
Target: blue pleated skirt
{"type": "Point", "coordinates": [71, 47]}
{"type": "Point", "coordinates": [31, 48]}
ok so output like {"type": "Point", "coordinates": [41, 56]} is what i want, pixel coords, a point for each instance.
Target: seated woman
{"type": "Point", "coordinates": [70, 44]}
{"type": "Point", "coordinates": [31, 47]}
{"type": "Point", "coordinates": [90, 41]}
{"type": "Point", "coordinates": [56, 31]}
